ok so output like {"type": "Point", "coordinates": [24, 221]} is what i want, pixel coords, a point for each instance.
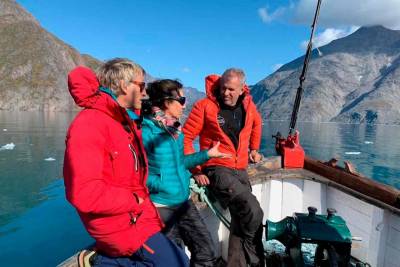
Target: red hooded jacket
{"type": "Point", "coordinates": [202, 121]}
{"type": "Point", "coordinates": [105, 170]}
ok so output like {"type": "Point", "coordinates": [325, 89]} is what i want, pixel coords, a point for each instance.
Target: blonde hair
{"type": "Point", "coordinates": [113, 71]}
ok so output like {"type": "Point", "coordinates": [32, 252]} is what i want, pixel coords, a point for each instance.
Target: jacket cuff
{"type": "Point", "coordinates": [204, 155]}
{"type": "Point", "coordinates": [153, 185]}
{"type": "Point", "coordinates": [196, 170]}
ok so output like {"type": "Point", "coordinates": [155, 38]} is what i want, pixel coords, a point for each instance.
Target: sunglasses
{"type": "Point", "coordinates": [142, 85]}
{"type": "Point", "coordinates": [181, 99]}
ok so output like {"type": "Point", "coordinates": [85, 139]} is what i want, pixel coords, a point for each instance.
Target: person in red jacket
{"type": "Point", "coordinates": [105, 169]}
{"type": "Point", "coordinates": [229, 115]}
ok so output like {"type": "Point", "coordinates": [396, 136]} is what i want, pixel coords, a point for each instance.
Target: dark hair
{"type": "Point", "coordinates": [159, 91]}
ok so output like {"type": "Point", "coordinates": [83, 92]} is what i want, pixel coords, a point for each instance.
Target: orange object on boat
{"type": "Point", "coordinates": [291, 151]}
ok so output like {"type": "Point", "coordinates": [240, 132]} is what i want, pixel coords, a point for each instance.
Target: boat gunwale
{"type": "Point", "coordinates": [259, 173]}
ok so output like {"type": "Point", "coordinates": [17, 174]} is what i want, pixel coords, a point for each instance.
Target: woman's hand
{"type": "Point", "coordinates": [214, 152]}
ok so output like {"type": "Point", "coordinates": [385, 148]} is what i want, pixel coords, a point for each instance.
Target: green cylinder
{"type": "Point", "coordinates": [278, 230]}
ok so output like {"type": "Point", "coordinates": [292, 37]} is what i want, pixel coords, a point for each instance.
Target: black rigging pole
{"type": "Point", "coordinates": [302, 78]}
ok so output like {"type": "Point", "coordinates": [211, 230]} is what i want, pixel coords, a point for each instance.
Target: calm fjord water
{"type": "Point", "coordinates": [39, 228]}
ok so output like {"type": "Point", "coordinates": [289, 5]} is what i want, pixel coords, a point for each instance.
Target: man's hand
{"type": "Point", "coordinates": [254, 156]}
{"type": "Point", "coordinates": [201, 179]}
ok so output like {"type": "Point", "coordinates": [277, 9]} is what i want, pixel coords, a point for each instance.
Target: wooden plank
{"type": "Point", "coordinates": [257, 190]}
{"type": "Point", "coordinates": [366, 186]}
{"type": "Point", "coordinates": [261, 174]}
{"type": "Point", "coordinates": [394, 238]}
{"type": "Point", "coordinates": [354, 211]}
{"type": "Point", "coordinates": [378, 236]}
{"type": "Point", "coordinates": [314, 194]}
{"type": "Point", "coordinates": [395, 221]}
{"type": "Point", "coordinates": [292, 196]}
{"type": "Point", "coordinates": [392, 257]}
{"type": "Point", "coordinates": [358, 222]}
{"type": "Point", "coordinates": [275, 200]}
{"type": "Point", "coordinates": [350, 201]}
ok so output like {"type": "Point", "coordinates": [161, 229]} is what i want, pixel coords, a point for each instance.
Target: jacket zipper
{"type": "Point", "coordinates": [227, 137]}
{"type": "Point", "coordinates": [135, 157]}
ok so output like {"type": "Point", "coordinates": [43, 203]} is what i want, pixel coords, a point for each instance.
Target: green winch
{"type": "Point", "coordinates": [329, 232]}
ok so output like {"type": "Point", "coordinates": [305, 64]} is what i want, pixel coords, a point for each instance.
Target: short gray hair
{"type": "Point", "coordinates": [113, 71]}
{"type": "Point", "coordinates": [234, 72]}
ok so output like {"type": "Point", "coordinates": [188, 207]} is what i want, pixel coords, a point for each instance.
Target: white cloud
{"type": "Point", "coordinates": [328, 35]}
{"type": "Point", "coordinates": [267, 17]}
{"type": "Point", "coordinates": [344, 13]}
{"type": "Point", "coordinates": [276, 66]}
{"type": "Point", "coordinates": [186, 69]}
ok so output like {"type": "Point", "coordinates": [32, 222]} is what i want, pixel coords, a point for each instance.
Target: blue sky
{"type": "Point", "coordinates": [190, 39]}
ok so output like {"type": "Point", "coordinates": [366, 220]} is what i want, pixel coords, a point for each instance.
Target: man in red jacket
{"type": "Point", "coordinates": [105, 169]}
{"type": "Point", "coordinates": [229, 115]}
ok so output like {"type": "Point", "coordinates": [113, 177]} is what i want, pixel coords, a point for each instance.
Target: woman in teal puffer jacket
{"type": "Point", "coordinates": [169, 176]}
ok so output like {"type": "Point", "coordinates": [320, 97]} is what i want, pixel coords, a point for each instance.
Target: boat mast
{"type": "Point", "coordinates": [302, 78]}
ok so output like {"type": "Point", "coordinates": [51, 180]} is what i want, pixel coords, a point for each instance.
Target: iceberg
{"type": "Point", "coordinates": [9, 146]}
{"type": "Point", "coordinates": [353, 153]}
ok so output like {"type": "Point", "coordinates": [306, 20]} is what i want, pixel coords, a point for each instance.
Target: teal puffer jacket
{"type": "Point", "coordinates": [169, 176]}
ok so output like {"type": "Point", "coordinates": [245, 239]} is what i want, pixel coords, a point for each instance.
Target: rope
{"type": "Point", "coordinates": [202, 192]}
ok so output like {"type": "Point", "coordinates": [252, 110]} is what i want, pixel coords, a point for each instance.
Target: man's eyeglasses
{"type": "Point", "coordinates": [181, 99]}
{"type": "Point", "coordinates": [142, 85]}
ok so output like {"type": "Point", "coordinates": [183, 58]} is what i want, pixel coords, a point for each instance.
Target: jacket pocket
{"type": "Point", "coordinates": [121, 164]}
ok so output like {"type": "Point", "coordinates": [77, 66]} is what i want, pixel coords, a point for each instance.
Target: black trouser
{"type": "Point", "coordinates": [184, 223]}
{"type": "Point", "coordinates": [233, 190]}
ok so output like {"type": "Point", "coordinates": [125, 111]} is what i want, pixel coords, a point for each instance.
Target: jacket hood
{"type": "Point", "coordinates": [84, 89]}
{"type": "Point", "coordinates": [83, 86]}
{"type": "Point", "coordinates": [212, 84]}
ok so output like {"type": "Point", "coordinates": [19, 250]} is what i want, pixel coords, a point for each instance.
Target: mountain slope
{"type": "Point", "coordinates": [33, 63]}
{"type": "Point", "coordinates": [355, 80]}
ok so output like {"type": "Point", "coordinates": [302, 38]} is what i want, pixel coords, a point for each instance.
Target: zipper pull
{"type": "Point", "coordinates": [133, 219]}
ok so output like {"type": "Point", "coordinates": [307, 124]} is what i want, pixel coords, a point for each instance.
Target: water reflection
{"type": "Point", "coordinates": [23, 171]}
{"type": "Point", "coordinates": [374, 149]}
{"type": "Point", "coordinates": [39, 228]}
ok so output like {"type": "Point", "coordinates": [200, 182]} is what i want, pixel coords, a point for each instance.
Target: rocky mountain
{"type": "Point", "coordinates": [192, 95]}
{"type": "Point", "coordinates": [34, 64]}
{"type": "Point", "coordinates": [355, 79]}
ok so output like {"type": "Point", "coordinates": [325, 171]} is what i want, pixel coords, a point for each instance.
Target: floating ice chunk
{"type": "Point", "coordinates": [49, 159]}
{"type": "Point", "coordinates": [9, 146]}
{"type": "Point", "coordinates": [353, 153]}
{"type": "Point", "coordinates": [368, 142]}
{"type": "Point", "coordinates": [4, 130]}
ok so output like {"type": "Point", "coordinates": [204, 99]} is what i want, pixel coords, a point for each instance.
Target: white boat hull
{"type": "Point", "coordinates": [378, 228]}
